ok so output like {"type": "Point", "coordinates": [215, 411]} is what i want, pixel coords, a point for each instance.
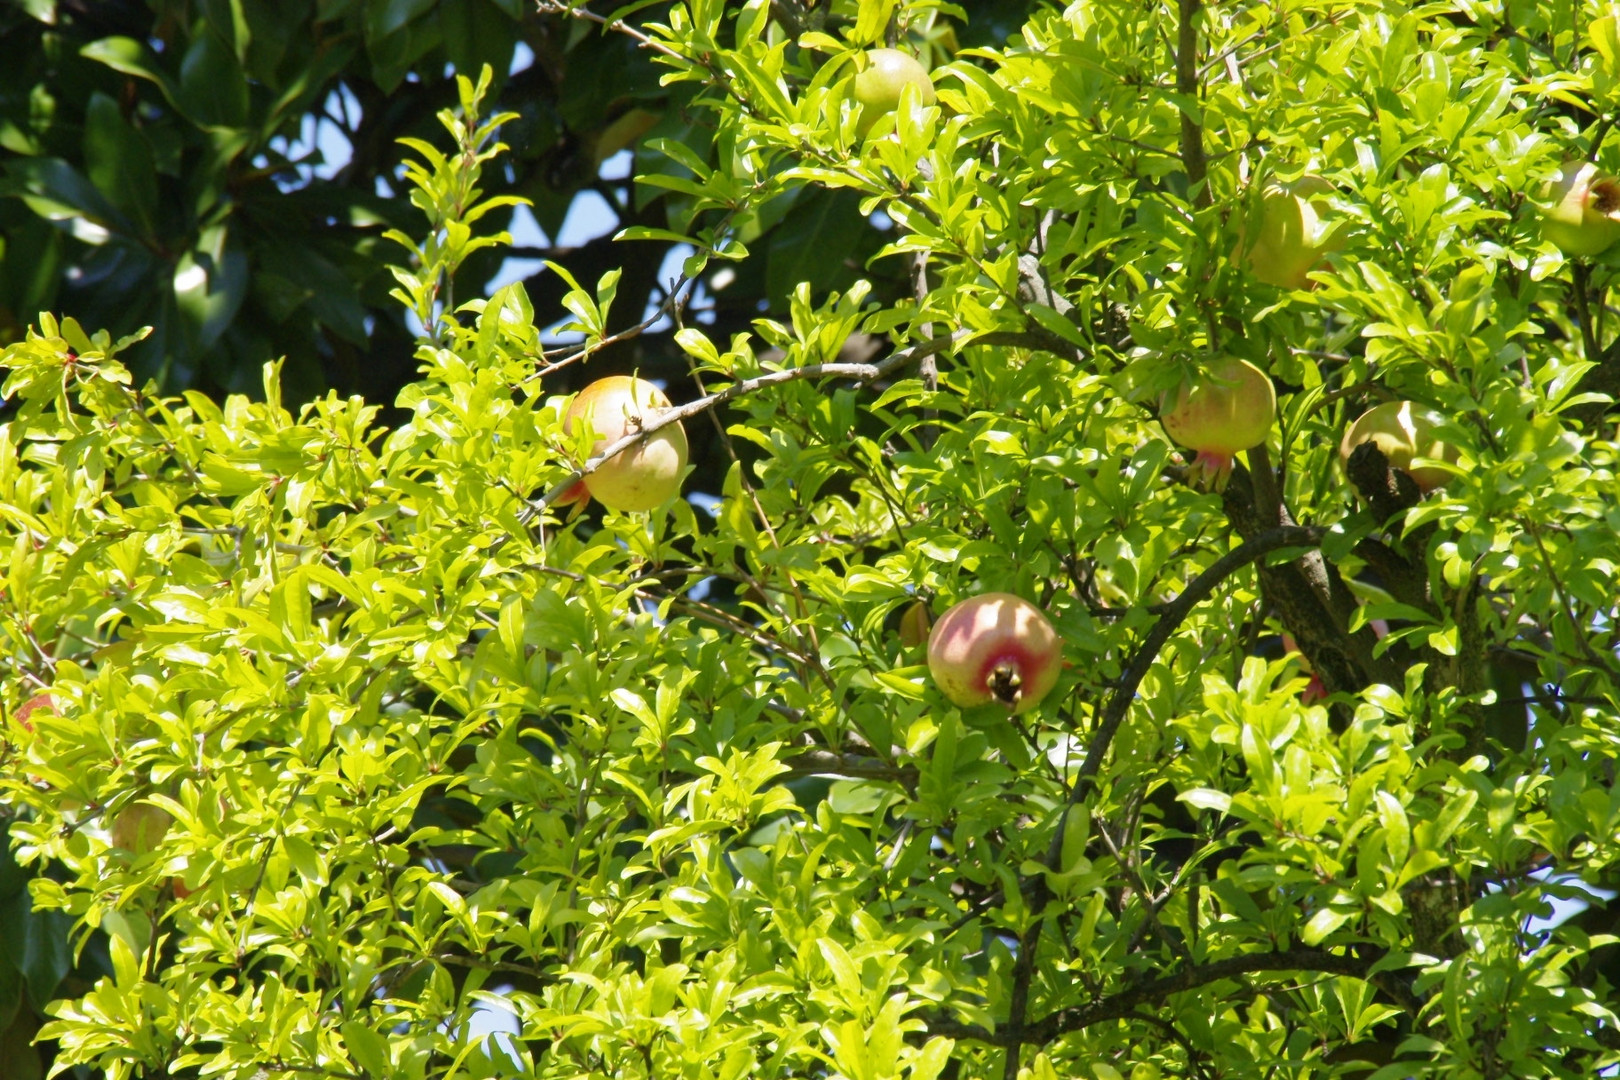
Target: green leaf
{"type": "Point", "coordinates": [368, 1049]}
{"type": "Point", "coordinates": [304, 858]}
{"type": "Point", "coordinates": [213, 89]}
{"type": "Point", "coordinates": [119, 162]}
{"type": "Point", "coordinates": [813, 244]}
{"type": "Point", "coordinates": [210, 282]}
{"type": "Point", "coordinates": [1207, 799]}
{"type": "Point", "coordinates": [1324, 922]}
{"type": "Point", "coordinates": [130, 57]}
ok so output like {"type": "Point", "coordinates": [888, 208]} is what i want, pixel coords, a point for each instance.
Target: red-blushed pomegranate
{"type": "Point", "coordinates": [1290, 232]}
{"type": "Point", "coordinates": [575, 494]}
{"type": "Point", "coordinates": [883, 74]}
{"type": "Point", "coordinates": [914, 625]}
{"type": "Point", "coordinates": [995, 647]}
{"type": "Point", "coordinates": [1581, 214]}
{"type": "Point", "coordinates": [1227, 409]}
{"type": "Point", "coordinates": [646, 474]}
{"type": "Point", "coordinates": [33, 705]}
{"type": "Point", "coordinates": [1403, 430]}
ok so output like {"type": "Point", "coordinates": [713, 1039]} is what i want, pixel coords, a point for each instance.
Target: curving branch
{"type": "Point", "coordinates": [1113, 715]}
{"type": "Point", "coordinates": [1122, 1004]}
{"type": "Point", "coordinates": [1174, 613]}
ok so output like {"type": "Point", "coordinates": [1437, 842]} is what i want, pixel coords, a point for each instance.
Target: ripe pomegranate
{"type": "Point", "coordinates": [994, 647]}
{"type": "Point", "coordinates": [1582, 210]}
{"type": "Point", "coordinates": [1403, 430]}
{"type": "Point", "coordinates": [1292, 232]}
{"type": "Point", "coordinates": [139, 827]}
{"type": "Point", "coordinates": [883, 74]}
{"type": "Point", "coordinates": [649, 472]}
{"type": "Point", "coordinates": [1228, 409]}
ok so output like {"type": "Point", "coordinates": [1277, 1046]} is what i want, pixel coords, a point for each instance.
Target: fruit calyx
{"type": "Point", "coordinates": [1006, 685]}
{"type": "Point", "coordinates": [1581, 215]}
{"type": "Point", "coordinates": [1226, 410]}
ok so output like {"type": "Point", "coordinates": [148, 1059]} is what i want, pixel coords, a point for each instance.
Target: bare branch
{"type": "Point", "coordinates": [859, 372]}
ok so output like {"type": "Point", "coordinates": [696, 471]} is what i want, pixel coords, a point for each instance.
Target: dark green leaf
{"type": "Point", "coordinates": [119, 162]}
{"type": "Point", "coordinates": [213, 87]}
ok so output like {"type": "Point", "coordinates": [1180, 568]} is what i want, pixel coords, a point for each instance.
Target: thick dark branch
{"type": "Point", "coordinates": [1388, 491]}
{"type": "Point", "coordinates": [1121, 1005]}
{"type": "Point", "coordinates": [1603, 379]}
{"type": "Point", "coordinates": [1314, 605]}
{"type": "Point", "coordinates": [1405, 582]}
{"type": "Point", "coordinates": [1192, 132]}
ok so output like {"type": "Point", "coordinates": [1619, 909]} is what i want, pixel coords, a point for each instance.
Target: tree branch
{"type": "Point", "coordinates": [1192, 132]}
{"type": "Point", "coordinates": [1034, 339]}
{"type": "Point", "coordinates": [1175, 612]}
{"type": "Point", "coordinates": [1121, 1005]}
{"type": "Point", "coordinates": [1119, 704]}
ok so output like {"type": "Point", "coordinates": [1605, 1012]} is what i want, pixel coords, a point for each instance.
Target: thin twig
{"type": "Point", "coordinates": [859, 372]}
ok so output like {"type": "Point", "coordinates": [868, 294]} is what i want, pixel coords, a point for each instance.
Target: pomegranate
{"type": "Point", "coordinates": [994, 647]}
{"type": "Point", "coordinates": [139, 827]}
{"type": "Point", "coordinates": [33, 705]}
{"type": "Point", "coordinates": [1228, 409]}
{"type": "Point", "coordinates": [1582, 212]}
{"type": "Point", "coordinates": [1292, 233]}
{"type": "Point", "coordinates": [645, 475]}
{"type": "Point", "coordinates": [1403, 430]}
{"type": "Point", "coordinates": [883, 74]}
{"type": "Point", "coordinates": [914, 625]}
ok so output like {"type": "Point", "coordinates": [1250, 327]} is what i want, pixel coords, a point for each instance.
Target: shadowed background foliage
{"type": "Point", "coordinates": [161, 168]}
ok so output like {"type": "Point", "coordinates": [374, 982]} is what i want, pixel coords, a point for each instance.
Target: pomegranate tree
{"type": "Point", "coordinates": [1403, 430]}
{"type": "Point", "coordinates": [1225, 410]}
{"type": "Point", "coordinates": [649, 472]}
{"type": "Point", "coordinates": [1289, 232]}
{"type": "Point", "coordinates": [1582, 211]}
{"type": "Point", "coordinates": [882, 75]}
{"type": "Point", "coordinates": [995, 647]}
